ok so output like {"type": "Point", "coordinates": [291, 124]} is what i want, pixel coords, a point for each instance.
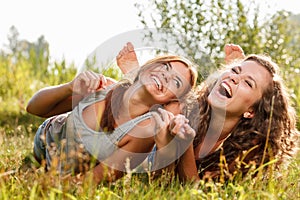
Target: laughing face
{"type": "Point", "coordinates": [239, 88]}
{"type": "Point", "coordinates": [166, 81]}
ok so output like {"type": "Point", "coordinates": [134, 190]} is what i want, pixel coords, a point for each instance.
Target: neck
{"type": "Point", "coordinates": [136, 101]}
{"type": "Point", "coordinates": [221, 125]}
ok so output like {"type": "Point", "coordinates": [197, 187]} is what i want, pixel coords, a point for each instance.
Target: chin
{"type": "Point", "coordinates": [217, 103]}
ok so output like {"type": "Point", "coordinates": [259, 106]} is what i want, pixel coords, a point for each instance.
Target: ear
{"type": "Point", "coordinates": [248, 114]}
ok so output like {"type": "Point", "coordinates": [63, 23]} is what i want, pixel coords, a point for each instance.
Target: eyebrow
{"type": "Point", "coordinates": [250, 77]}
{"type": "Point", "coordinates": [178, 78]}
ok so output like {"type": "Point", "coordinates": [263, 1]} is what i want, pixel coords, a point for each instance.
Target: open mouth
{"type": "Point", "coordinates": [225, 90]}
{"type": "Point", "coordinates": [158, 83]}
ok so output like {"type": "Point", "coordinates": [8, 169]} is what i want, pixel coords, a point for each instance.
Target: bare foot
{"type": "Point", "coordinates": [127, 59]}
{"type": "Point", "coordinates": [233, 52]}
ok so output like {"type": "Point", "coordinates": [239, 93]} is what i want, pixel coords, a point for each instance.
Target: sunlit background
{"type": "Point", "coordinates": [74, 29]}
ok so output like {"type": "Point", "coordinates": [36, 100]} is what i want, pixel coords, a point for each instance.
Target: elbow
{"type": "Point", "coordinates": [31, 110]}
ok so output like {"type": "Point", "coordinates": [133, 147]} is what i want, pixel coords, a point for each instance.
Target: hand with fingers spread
{"type": "Point", "coordinates": [88, 82]}
{"type": "Point", "coordinates": [173, 136]}
{"type": "Point", "coordinates": [122, 112]}
{"type": "Point", "coordinates": [180, 128]}
{"type": "Point", "coordinates": [169, 127]}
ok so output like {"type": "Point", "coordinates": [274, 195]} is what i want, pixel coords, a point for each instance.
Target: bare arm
{"type": "Point", "coordinates": [187, 168]}
{"type": "Point", "coordinates": [52, 100]}
{"type": "Point", "coordinates": [174, 140]}
{"type": "Point", "coordinates": [59, 99]}
{"type": "Point", "coordinates": [132, 150]}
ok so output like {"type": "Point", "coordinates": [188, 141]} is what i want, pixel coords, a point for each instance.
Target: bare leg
{"type": "Point", "coordinates": [233, 52]}
{"type": "Point", "coordinates": [127, 59]}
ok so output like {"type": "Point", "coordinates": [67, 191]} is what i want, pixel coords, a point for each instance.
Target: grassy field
{"type": "Point", "coordinates": [17, 129]}
{"type": "Point", "coordinates": [18, 82]}
{"type": "Point", "coordinates": [17, 182]}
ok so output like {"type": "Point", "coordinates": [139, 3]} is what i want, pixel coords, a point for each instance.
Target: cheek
{"type": "Point", "coordinates": [173, 91]}
{"type": "Point", "coordinates": [166, 96]}
{"type": "Point", "coordinates": [251, 99]}
{"type": "Point", "coordinates": [179, 93]}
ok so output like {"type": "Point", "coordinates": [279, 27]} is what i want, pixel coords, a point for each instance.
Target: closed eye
{"type": "Point", "coordinates": [236, 69]}
{"type": "Point", "coordinates": [249, 83]}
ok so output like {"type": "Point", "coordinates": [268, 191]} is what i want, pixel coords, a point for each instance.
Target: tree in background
{"type": "Point", "coordinates": [24, 69]}
{"type": "Point", "coordinates": [36, 52]}
{"type": "Point", "coordinates": [209, 24]}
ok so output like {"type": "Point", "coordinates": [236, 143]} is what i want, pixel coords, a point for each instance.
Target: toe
{"type": "Point", "coordinates": [130, 47]}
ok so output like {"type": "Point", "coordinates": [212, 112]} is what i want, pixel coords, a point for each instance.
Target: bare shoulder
{"type": "Point", "coordinates": [143, 129]}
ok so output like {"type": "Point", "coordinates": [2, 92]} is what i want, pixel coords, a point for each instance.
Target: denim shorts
{"type": "Point", "coordinates": [39, 144]}
{"type": "Point", "coordinates": [151, 158]}
{"type": "Point", "coordinates": [47, 146]}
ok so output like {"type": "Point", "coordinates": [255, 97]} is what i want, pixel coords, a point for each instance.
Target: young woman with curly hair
{"type": "Point", "coordinates": [256, 131]}
{"type": "Point", "coordinates": [243, 112]}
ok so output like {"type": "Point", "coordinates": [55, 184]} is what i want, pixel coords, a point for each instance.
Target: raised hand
{"type": "Point", "coordinates": [88, 82]}
{"type": "Point", "coordinates": [173, 136]}
{"type": "Point", "coordinates": [162, 119]}
{"type": "Point", "coordinates": [169, 127]}
{"type": "Point", "coordinates": [180, 128]}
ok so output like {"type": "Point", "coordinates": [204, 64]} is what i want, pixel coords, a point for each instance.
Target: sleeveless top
{"type": "Point", "coordinates": [70, 136]}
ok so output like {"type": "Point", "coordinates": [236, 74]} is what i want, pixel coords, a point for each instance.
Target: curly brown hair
{"type": "Point", "coordinates": [274, 125]}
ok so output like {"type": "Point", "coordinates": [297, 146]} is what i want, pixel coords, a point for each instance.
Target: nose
{"type": "Point", "coordinates": [235, 78]}
{"type": "Point", "coordinates": [166, 77]}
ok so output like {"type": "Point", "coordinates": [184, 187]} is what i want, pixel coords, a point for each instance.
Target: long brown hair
{"type": "Point", "coordinates": [115, 96]}
{"type": "Point", "coordinates": [252, 134]}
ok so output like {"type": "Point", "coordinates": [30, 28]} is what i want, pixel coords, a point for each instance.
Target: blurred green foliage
{"type": "Point", "coordinates": [203, 27]}
{"type": "Point", "coordinates": [208, 25]}
{"type": "Point", "coordinates": [25, 68]}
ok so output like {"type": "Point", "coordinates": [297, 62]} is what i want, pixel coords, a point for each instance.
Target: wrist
{"type": "Point", "coordinates": [70, 89]}
{"type": "Point", "coordinates": [163, 142]}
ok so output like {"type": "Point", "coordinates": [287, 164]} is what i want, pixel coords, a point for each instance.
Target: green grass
{"type": "Point", "coordinates": [21, 77]}
{"type": "Point", "coordinates": [34, 183]}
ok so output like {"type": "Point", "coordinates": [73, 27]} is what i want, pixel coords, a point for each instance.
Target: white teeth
{"type": "Point", "coordinates": [157, 81]}
{"type": "Point", "coordinates": [227, 88]}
